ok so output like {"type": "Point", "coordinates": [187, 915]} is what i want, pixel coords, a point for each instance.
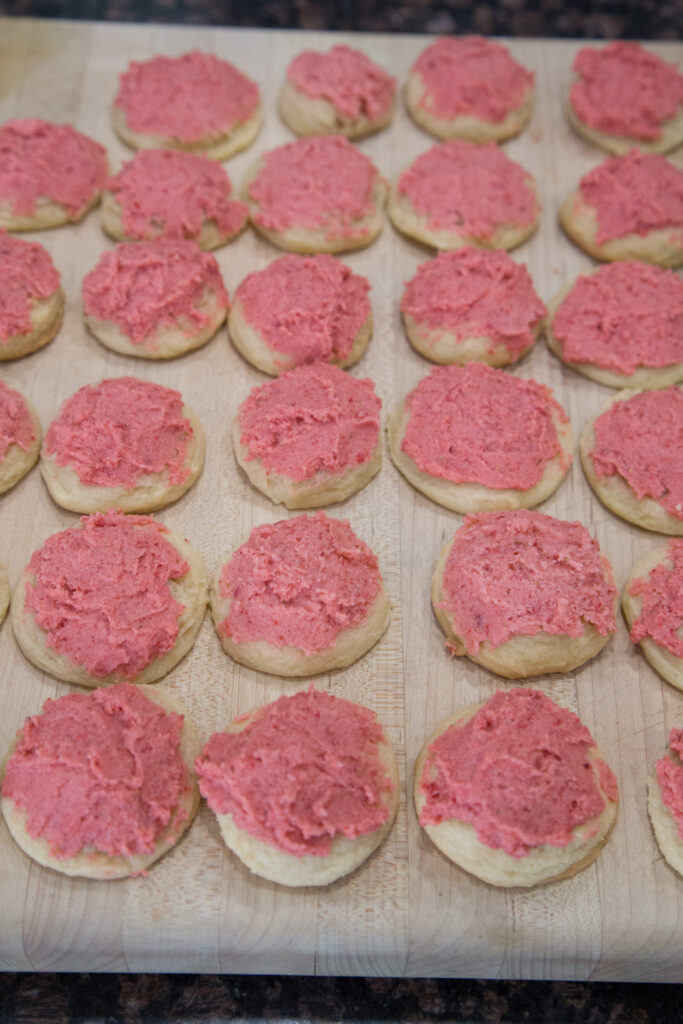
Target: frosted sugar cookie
{"type": "Point", "coordinates": [469, 88]}
{"type": "Point", "coordinates": [476, 439]}
{"type": "Point", "coordinates": [665, 802]}
{"type": "Point", "coordinates": [20, 437]}
{"type": "Point", "coordinates": [458, 193]}
{"type": "Point", "coordinates": [164, 193]}
{"type": "Point", "coordinates": [304, 789]}
{"type": "Point", "coordinates": [524, 594]}
{"type": "Point", "coordinates": [340, 92]}
{"type": "Point", "coordinates": [155, 299]}
{"type": "Point", "coordinates": [311, 437]}
{"type": "Point", "coordinates": [632, 455]}
{"type": "Point", "coordinates": [626, 97]}
{"type": "Point", "coordinates": [123, 443]}
{"type": "Point", "coordinates": [116, 598]}
{"type": "Point", "coordinates": [515, 791]}
{"type": "Point", "coordinates": [621, 325]}
{"type": "Point", "coordinates": [50, 174]}
{"type": "Point", "coordinates": [316, 195]}
{"type": "Point", "coordinates": [208, 107]}
{"type": "Point", "coordinates": [300, 597]}
{"type": "Point", "coordinates": [629, 207]}
{"type": "Point", "coordinates": [653, 607]}
{"type": "Point", "coordinates": [301, 309]}
{"type": "Point", "coordinates": [102, 784]}
{"type": "Point", "coordinates": [472, 305]}
{"type": "Point", "coordinates": [31, 298]}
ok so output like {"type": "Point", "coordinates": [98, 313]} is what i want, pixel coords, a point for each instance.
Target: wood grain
{"type": "Point", "coordinates": [408, 911]}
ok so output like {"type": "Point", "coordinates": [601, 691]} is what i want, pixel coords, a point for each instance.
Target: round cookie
{"type": "Point", "coordinates": [209, 106]}
{"type": "Point", "coordinates": [116, 598]}
{"type": "Point", "coordinates": [20, 437]}
{"type": "Point", "coordinates": [476, 439]}
{"type": "Point", "coordinates": [665, 802]}
{"type": "Point", "coordinates": [626, 97]}
{"type": "Point", "coordinates": [156, 299]}
{"type": "Point", "coordinates": [4, 594]}
{"type": "Point", "coordinates": [123, 443]}
{"type": "Point", "coordinates": [628, 208]}
{"type": "Point", "coordinates": [317, 194]}
{"type": "Point", "coordinates": [514, 790]}
{"type": "Point", "coordinates": [50, 174]}
{"type": "Point", "coordinates": [472, 305]}
{"type": "Point", "coordinates": [632, 456]}
{"type": "Point", "coordinates": [458, 193]}
{"type": "Point", "coordinates": [101, 785]}
{"type": "Point", "coordinates": [339, 92]}
{"type": "Point", "coordinates": [524, 594]}
{"type": "Point", "coordinates": [621, 325]}
{"type": "Point", "coordinates": [311, 437]}
{"type": "Point", "coordinates": [653, 608]}
{"type": "Point", "coordinates": [304, 789]}
{"type": "Point", "coordinates": [300, 597]}
{"type": "Point", "coordinates": [301, 309]}
{"type": "Point", "coordinates": [470, 88]}
{"type": "Point", "coordinates": [165, 193]}
{"type": "Point", "coordinates": [31, 298]}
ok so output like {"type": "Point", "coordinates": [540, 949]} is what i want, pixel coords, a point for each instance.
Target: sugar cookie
{"type": "Point", "coordinates": [524, 594]}
{"type": "Point", "coordinates": [304, 789]}
{"type": "Point", "coordinates": [4, 594]}
{"type": "Point", "coordinates": [665, 802]}
{"type": "Point", "coordinates": [116, 598]}
{"type": "Point", "coordinates": [300, 597]}
{"type": "Point", "coordinates": [475, 439]}
{"type": "Point", "coordinates": [20, 437]}
{"type": "Point", "coordinates": [123, 443]}
{"type": "Point", "coordinates": [311, 437]}
{"type": "Point", "coordinates": [653, 608]}
{"type": "Point", "coordinates": [301, 309]}
{"type": "Point", "coordinates": [165, 193]}
{"type": "Point", "coordinates": [472, 305]}
{"type": "Point", "coordinates": [156, 299]}
{"type": "Point", "coordinates": [469, 88]}
{"type": "Point", "coordinates": [31, 298]}
{"type": "Point", "coordinates": [340, 92]}
{"type": "Point", "coordinates": [101, 785]}
{"type": "Point", "coordinates": [632, 455]}
{"type": "Point", "coordinates": [515, 791]}
{"type": "Point", "coordinates": [209, 107]}
{"type": "Point", "coordinates": [317, 194]}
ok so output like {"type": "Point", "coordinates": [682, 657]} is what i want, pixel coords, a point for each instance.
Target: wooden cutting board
{"type": "Point", "coordinates": [407, 911]}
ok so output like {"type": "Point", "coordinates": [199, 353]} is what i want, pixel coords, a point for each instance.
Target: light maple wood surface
{"type": "Point", "coordinates": [408, 910]}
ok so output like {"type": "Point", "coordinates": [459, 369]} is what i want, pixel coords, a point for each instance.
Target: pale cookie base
{"type": "Point", "coordinates": [441, 345]}
{"type": "Point", "coordinates": [190, 590]}
{"type": "Point", "coordinates": [4, 594]}
{"type": "Point", "coordinates": [48, 213]}
{"type": "Point", "coordinates": [17, 462]}
{"type": "Point", "coordinates": [615, 493]}
{"type": "Point", "coordinates": [219, 146]}
{"type": "Point", "coordinates": [287, 869]}
{"type": "Point", "coordinates": [671, 135]}
{"type": "Point", "coordinates": [111, 215]}
{"type": "Point", "coordinates": [151, 492]}
{"type": "Point", "coordinates": [664, 826]}
{"type": "Point", "coordinates": [669, 666]}
{"type": "Point", "coordinates": [262, 656]}
{"type": "Point", "coordinates": [470, 497]}
{"type": "Point", "coordinates": [410, 222]}
{"type": "Point", "coordinates": [46, 319]}
{"type": "Point", "coordinates": [164, 342]}
{"type": "Point", "coordinates": [643, 378]}
{"type": "Point", "coordinates": [521, 656]}
{"type": "Point", "coordinates": [103, 866]}
{"type": "Point", "coordinates": [317, 491]}
{"type": "Point", "coordinates": [308, 115]}
{"type": "Point", "coordinates": [314, 240]}
{"type": "Point", "coordinates": [663, 248]}
{"type": "Point", "coordinates": [251, 344]}
{"type": "Point", "coordinates": [465, 126]}
{"type": "Point", "coordinates": [458, 840]}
